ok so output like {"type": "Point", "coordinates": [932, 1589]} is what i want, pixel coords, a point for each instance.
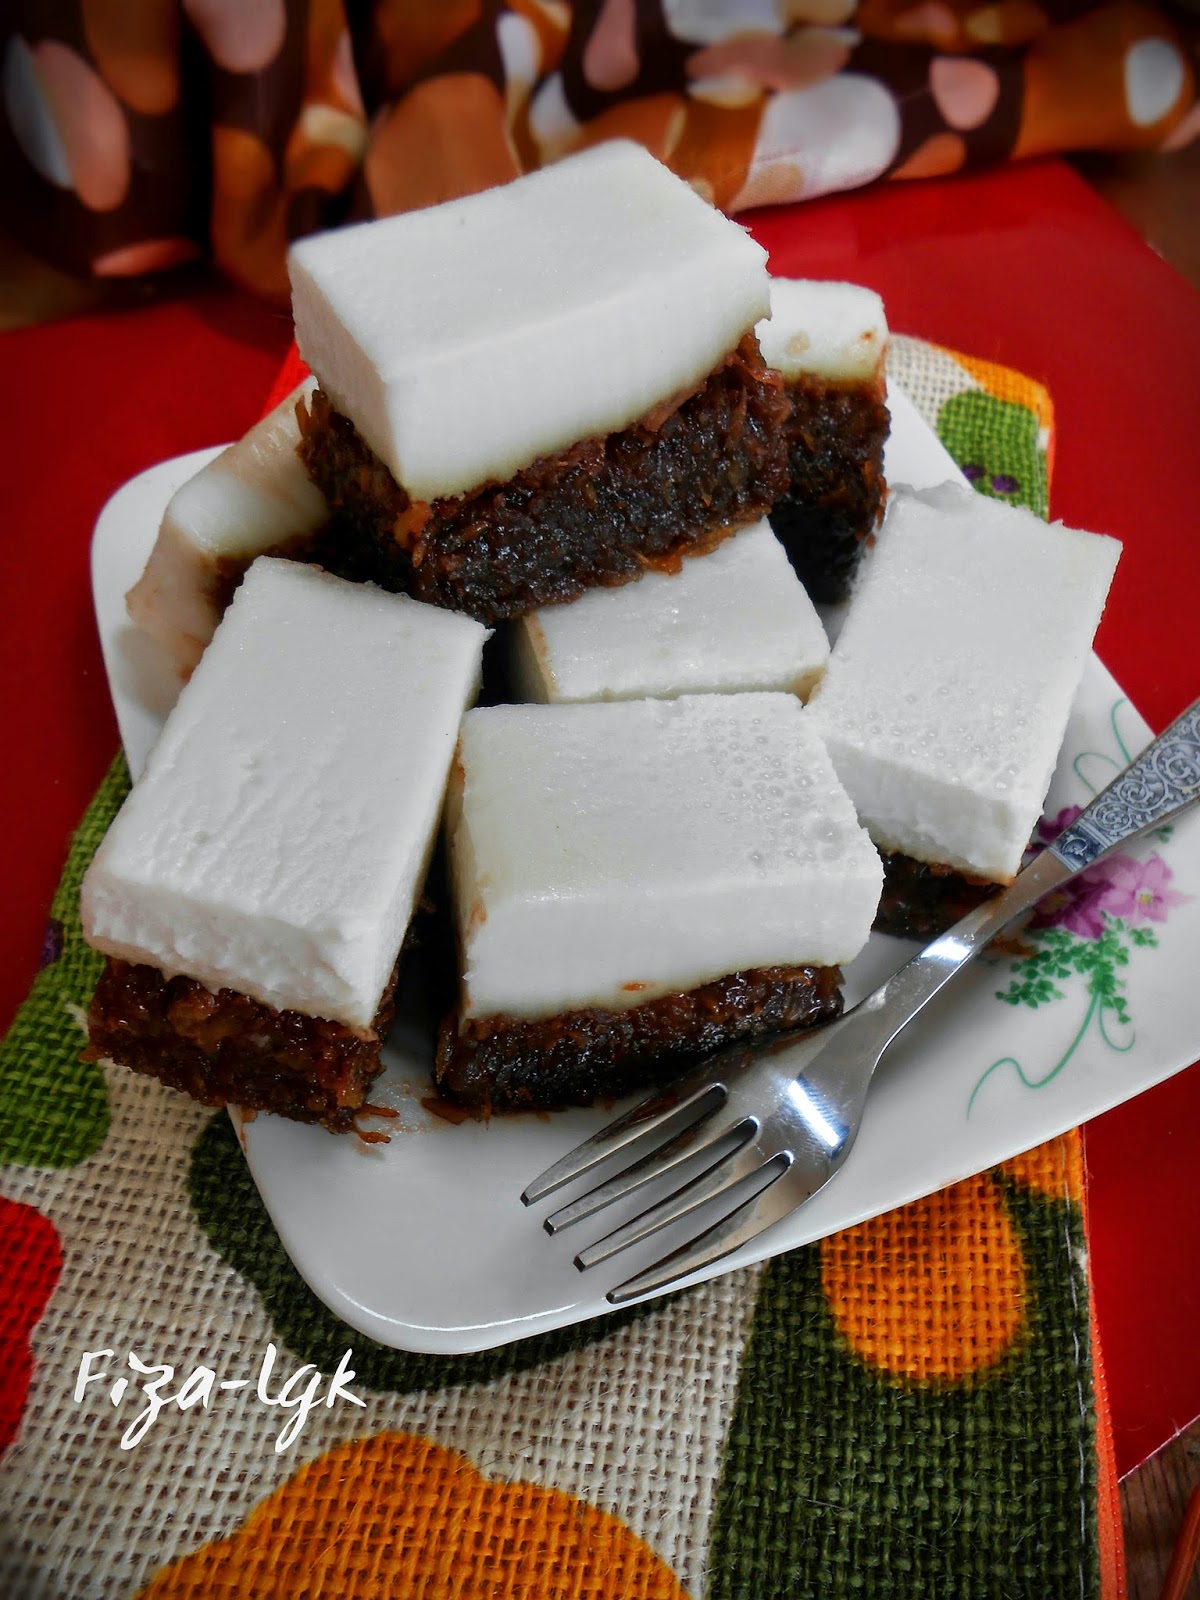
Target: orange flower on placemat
{"type": "Point", "coordinates": [395, 1515]}
{"type": "Point", "coordinates": [933, 1291]}
{"type": "Point", "coordinates": [938, 1291]}
{"type": "Point", "coordinates": [1054, 1169]}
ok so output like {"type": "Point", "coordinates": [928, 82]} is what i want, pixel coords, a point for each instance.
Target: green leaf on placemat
{"type": "Point", "coordinates": [914, 1416]}
{"type": "Point", "coordinates": [53, 1105]}
{"type": "Point", "coordinates": [995, 442]}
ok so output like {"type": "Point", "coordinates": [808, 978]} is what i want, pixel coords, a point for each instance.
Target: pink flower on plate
{"type": "Point", "coordinates": [1138, 890]}
{"type": "Point", "coordinates": [1078, 906]}
{"type": "Point", "coordinates": [1049, 828]}
{"type": "Point", "coordinates": [1118, 887]}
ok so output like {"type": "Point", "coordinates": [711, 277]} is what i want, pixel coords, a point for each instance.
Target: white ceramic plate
{"type": "Point", "coordinates": [423, 1243]}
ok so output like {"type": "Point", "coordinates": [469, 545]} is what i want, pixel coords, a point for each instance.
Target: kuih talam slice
{"type": "Point", "coordinates": [639, 880]}
{"type": "Point", "coordinates": [829, 343]}
{"type": "Point", "coordinates": [729, 622]}
{"type": "Point", "coordinates": [256, 496]}
{"type": "Point", "coordinates": [947, 694]}
{"type": "Point", "coordinates": [254, 890]}
{"type": "Point", "coordinates": [541, 387]}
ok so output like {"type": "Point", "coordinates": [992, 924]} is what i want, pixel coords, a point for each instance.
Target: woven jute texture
{"type": "Point", "coordinates": [915, 1408]}
{"type": "Point", "coordinates": [904, 1409]}
{"type": "Point", "coordinates": [53, 1109]}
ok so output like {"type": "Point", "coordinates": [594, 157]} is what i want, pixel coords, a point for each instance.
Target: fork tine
{"type": "Point", "coordinates": [719, 1179]}
{"type": "Point", "coordinates": [744, 1222]}
{"type": "Point", "coordinates": [632, 1131]}
{"type": "Point", "coordinates": [664, 1159]}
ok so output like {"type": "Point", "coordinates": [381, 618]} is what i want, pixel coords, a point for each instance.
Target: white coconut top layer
{"type": "Point", "coordinates": [605, 854]}
{"type": "Point", "coordinates": [251, 498]}
{"type": "Point", "coordinates": [947, 694]}
{"type": "Point", "coordinates": [734, 620]}
{"type": "Point", "coordinates": [280, 833]}
{"type": "Point", "coordinates": [825, 330]}
{"type": "Point", "coordinates": [466, 340]}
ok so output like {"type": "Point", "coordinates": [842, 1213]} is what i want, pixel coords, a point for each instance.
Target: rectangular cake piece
{"type": "Point", "coordinates": [255, 497]}
{"type": "Point", "coordinates": [541, 387]}
{"type": "Point", "coordinates": [735, 620]}
{"type": "Point", "coordinates": [829, 342]}
{"type": "Point", "coordinates": [254, 890]}
{"type": "Point", "coordinates": [947, 693]}
{"type": "Point", "coordinates": [637, 881]}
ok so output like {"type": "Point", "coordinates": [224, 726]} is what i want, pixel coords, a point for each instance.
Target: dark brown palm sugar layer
{"type": "Point", "coordinates": [602, 512]}
{"type": "Point", "coordinates": [502, 1063]}
{"type": "Point", "coordinates": [224, 1048]}
{"type": "Point", "coordinates": [921, 900]}
{"type": "Point", "coordinates": [835, 462]}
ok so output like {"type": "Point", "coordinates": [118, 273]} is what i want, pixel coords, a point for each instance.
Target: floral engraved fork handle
{"type": "Point", "coordinates": [1150, 791]}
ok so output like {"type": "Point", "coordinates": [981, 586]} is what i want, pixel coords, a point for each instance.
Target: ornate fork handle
{"type": "Point", "coordinates": [1159, 783]}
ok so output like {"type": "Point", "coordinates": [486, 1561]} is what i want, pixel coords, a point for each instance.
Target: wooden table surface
{"type": "Point", "coordinates": [1160, 197]}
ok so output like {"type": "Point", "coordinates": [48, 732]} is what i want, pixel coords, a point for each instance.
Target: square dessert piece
{"type": "Point", "coordinates": [542, 387]}
{"type": "Point", "coordinates": [254, 889]}
{"type": "Point", "coordinates": [255, 497]}
{"type": "Point", "coordinates": [737, 619]}
{"type": "Point", "coordinates": [640, 881]}
{"type": "Point", "coordinates": [829, 342]}
{"type": "Point", "coordinates": [947, 694]}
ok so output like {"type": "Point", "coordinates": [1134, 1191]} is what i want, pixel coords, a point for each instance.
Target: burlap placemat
{"type": "Point", "coordinates": [905, 1409]}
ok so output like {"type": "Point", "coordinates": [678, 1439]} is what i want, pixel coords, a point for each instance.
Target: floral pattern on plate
{"type": "Point", "coordinates": [1087, 930]}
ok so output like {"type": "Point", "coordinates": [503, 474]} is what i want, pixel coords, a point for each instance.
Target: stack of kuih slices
{"type": "Point", "coordinates": [564, 409]}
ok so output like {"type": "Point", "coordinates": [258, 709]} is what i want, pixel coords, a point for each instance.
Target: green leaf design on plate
{"type": "Point", "coordinates": [53, 1105]}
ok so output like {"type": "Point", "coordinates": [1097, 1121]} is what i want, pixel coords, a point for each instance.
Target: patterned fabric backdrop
{"type": "Point", "coordinates": [136, 134]}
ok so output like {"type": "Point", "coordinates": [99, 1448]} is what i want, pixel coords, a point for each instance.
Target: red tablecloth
{"type": "Point", "coordinates": [1024, 266]}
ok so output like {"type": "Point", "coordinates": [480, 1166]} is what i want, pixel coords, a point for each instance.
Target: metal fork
{"type": "Point", "coordinates": [768, 1124]}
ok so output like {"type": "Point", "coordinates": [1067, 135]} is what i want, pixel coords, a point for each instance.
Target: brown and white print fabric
{"type": "Point", "coordinates": [137, 134]}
